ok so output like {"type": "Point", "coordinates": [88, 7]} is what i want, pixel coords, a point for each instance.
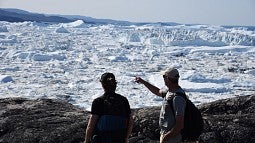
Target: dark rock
{"type": "Point", "coordinates": [226, 121]}
{"type": "Point", "coordinates": [229, 120]}
{"type": "Point", "coordinates": [40, 121]}
{"type": "Point", "coordinates": [52, 121]}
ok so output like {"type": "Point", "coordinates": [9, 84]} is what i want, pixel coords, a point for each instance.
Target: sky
{"type": "Point", "coordinates": [213, 12]}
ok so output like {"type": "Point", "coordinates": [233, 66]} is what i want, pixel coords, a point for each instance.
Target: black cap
{"type": "Point", "coordinates": [107, 77]}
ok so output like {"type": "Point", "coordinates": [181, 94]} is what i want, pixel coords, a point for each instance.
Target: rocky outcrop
{"type": "Point", "coordinates": [230, 120]}
{"type": "Point", "coordinates": [226, 121]}
{"type": "Point", "coordinates": [40, 121]}
{"type": "Point", "coordinates": [52, 121]}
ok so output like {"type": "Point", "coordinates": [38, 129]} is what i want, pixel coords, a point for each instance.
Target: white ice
{"type": "Point", "coordinates": [65, 61]}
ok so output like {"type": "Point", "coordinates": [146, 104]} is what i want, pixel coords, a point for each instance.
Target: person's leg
{"type": "Point", "coordinates": [176, 139]}
{"type": "Point", "coordinates": [161, 138]}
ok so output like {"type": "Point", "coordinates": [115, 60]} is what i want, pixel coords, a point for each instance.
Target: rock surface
{"type": "Point", "coordinates": [40, 121]}
{"type": "Point", "coordinates": [226, 121]}
{"type": "Point", "coordinates": [229, 120]}
{"type": "Point", "coordinates": [53, 121]}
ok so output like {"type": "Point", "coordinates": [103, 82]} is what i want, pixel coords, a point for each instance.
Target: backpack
{"type": "Point", "coordinates": [112, 126]}
{"type": "Point", "coordinates": [193, 121]}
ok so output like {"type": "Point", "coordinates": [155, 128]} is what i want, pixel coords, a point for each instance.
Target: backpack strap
{"type": "Point", "coordinates": [170, 102]}
{"type": "Point", "coordinates": [182, 94]}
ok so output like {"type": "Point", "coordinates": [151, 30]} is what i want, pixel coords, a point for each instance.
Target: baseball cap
{"type": "Point", "coordinates": [107, 77]}
{"type": "Point", "coordinates": [171, 73]}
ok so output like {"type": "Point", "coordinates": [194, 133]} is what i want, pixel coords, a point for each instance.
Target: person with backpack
{"type": "Point", "coordinates": [111, 119]}
{"type": "Point", "coordinates": [171, 119]}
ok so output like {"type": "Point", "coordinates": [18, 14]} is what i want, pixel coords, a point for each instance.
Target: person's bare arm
{"type": "Point", "coordinates": [130, 127]}
{"type": "Point", "coordinates": [176, 129]}
{"type": "Point", "coordinates": [90, 127]}
{"type": "Point", "coordinates": [155, 90]}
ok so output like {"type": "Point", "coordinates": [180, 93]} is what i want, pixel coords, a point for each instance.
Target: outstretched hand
{"type": "Point", "coordinates": [139, 79]}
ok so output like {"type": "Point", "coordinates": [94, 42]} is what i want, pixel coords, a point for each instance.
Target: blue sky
{"type": "Point", "coordinates": [214, 12]}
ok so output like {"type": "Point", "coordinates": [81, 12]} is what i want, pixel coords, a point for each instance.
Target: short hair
{"type": "Point", "coordinates": [108, 81]}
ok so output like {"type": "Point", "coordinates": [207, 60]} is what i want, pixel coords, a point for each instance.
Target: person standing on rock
{"type": "Point", "coordinates": [170, 123]}
{"type": "Point", "coordinates": [111, 119]}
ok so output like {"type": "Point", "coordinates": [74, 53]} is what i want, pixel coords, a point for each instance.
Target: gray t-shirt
{"type": "Point", "coordinates": [167, 118]}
